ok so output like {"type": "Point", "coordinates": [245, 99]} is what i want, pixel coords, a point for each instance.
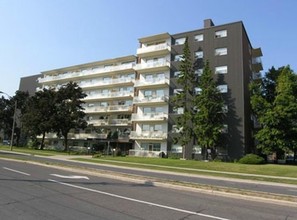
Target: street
{"type": "Point", "coordinates": [29, 191]}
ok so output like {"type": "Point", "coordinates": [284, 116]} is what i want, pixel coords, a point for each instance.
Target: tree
{"type": "Point", "coordinates": [39, 116]}
{"type": "Point", "coordinates": [69, 111]}
{"type": "Point", "coordinates": [184, 99]}
{"type": "Point", "coordinates": [209, 103]}
{"type": "Point", "coordinates": [7, 111]}
{"type": "Point", "coordinates": [5, 117]}
{"type": "Point", "coordinates": [278, 118]}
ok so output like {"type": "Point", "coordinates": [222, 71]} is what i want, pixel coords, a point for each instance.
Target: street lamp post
{"type": "Point", "coordinates": [13, 123]}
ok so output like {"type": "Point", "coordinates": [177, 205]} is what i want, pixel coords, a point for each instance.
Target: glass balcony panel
{"type": "Point", "coordinates": [148, 135]}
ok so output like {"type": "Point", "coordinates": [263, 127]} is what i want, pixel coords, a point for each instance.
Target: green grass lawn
{"type": "Point", "coordinates": [184, 166]}
{"type": "Point", "coordinates": [173, 164]}
{"type": "Point", "coordinates": [33, 151]}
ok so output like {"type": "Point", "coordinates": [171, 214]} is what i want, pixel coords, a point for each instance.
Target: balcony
{"type": "Point", "coordinates": [96, 109]}
{"type": "Point", "coordinates": [151, 82]}
{"type": "Point", "coordinates": [154, 50]}
{"type": "Point", "coordinates": [107, 83]}
{"type": "Point", "coordinates": [256, 60]}
{"type": "Point", "coordinates": [148, 135]}
{"type": "Point", "coordinates": [111, 108]}
{"type": "Point", "coordinates": [257, 64]}
{"type": "Point", "coordinates": [110, 95]}
{"type": "Point", "coordinates": [81, 74]}
{"type": "Point", "coordinates": [150, 100]}
{"type": "Point", "coordinates": [144, 153]}
{"type": "Point", "coordinates": [76, 136]}
{"type": "Point", "coordinates": [257, 76]}
{"type": "Point", "coordinates": [120, 108]}
{"type": "Point", "coordinates": [153, 66]}
{"type": "Point", "coordinates": [154, 116]}
{"type": "Point", "coordinates": [110, 122]}
{"type": "Point", "coordinates": [87, 136]}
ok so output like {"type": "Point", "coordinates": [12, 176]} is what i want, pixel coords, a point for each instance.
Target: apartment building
{"type": "Point", "coordinates": [109, 86]}
{"type": "Point", "coordinates": [128, 98]}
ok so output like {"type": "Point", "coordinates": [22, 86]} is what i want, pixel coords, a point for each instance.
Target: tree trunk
{"type": "Point", "coordinates": [42, 141]}
{"type": "Point", "coordinates": [66, 148]}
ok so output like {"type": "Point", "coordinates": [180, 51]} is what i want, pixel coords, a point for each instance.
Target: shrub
{"type": "Point", "coordinates": [252, 159]}
{"type": "Point", "coordinates": [97, 155]}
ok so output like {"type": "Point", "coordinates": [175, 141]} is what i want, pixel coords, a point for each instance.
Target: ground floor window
{"type": "Point", "coordinates": [151, 146]}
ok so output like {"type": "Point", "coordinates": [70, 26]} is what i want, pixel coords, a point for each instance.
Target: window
{"type": "Point", "coordinates": [198, 72]}
{"type": "Point", "coordinates": [175, 129]}
{"type": "Point", "coordinates": [221, 33]}
{"type": "Point", "coordinates": [148, 77]}
{"type": "Point", "coordinates": [223, 88]}
{"type": "Point", "coordinates": [221, 69]}
{"type": "Point", "coordinates": [225, 109]}
{"type": "Point", "coordinates": [160, 93]}
{"type": "Point", "coordinates": [159, 109]}
{"type": "Point", "coordinates": [176, 73]}
{"type": "Point", "coordinates": [147, 110]}
{"type": "Point", "coordinates": [178, 57]}
{"type": "Point", "coordinates": [177, 91]}
{"type": "Point", "coordinates": [178, 110]}
{"type": "Point", "coordinates": [225, 129]}
{"type": "Point", "coordinates": [158, 128]}
{"type": "Point", "coordinates": [198, 54]}
{"type": "Point", "coordinates": [221, 51]}
{"type": "Point", "coordinates": [180, 41]}
{"type": "Point", "coordinates": [199, 37]}
{"type": "Point", "coordinates": [148, 93]}
{"type": "Point", "coordinates": [145, 127]}
{"type": "Point", "coordinates": [198, 90]}
{"type": "Point", "coordinates": [156, 147]}
{"type": "Point", "coordinates": [151, 146]}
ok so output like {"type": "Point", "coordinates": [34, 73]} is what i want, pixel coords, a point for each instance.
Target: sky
{"type": "Point", "coordinates": [41, 35]}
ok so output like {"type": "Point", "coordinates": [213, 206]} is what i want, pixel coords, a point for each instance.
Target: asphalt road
{"type": "Point", "coordinates": [280, 189]}
{"type": "Point", "coordinates": [29, 191]}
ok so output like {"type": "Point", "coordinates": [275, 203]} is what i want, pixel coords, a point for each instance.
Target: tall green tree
{"type": "Point", "coordinates": [184, 99]}
{"type": "Point", "coordinates": [69, 111]}
{"type": "Point", "coordinates": [39, 116]}
{"type": "Point", "coordinates": [9, 107]}
{"type": "Point", "coordinates": [278, 116]}
{"type": "Point", "coordinates": [209, 103]}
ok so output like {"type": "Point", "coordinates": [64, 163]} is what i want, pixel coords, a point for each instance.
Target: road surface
{"type": "Point", "coordinates": [29, 191]}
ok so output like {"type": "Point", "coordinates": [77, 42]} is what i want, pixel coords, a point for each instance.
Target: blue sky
{"type": "Point", "coordinates": [40, 35]}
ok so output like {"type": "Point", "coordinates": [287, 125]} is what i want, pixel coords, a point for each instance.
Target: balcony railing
{"type": "Point", "coordinates": [154, 48]}
{"type": "Point", "coordinates": [76, 136]}
{"type": "Point", "coordinates": [151, 82]}
{"type": "Point", "coordinates": [144, 153]}
{"type": "Point", "coordinates": [120, 108]}
{"type": "Point", "coordinates": [150, 99]}
{"type": "Point", "coordinates": [110, 122]}
{"type": "Point", "coordinates": [105, 82]}
{"type": "Point", "coordinates": [149, 65]}
{"type": "Point", "coordinates": [155, 116]}
{"type": "Point", "coordinates": [109, 95]}
{"type": "Point", "coordinates": [95, 109]}
{"type": "Point", "coordinates": [158, 135]}
{"type": "Point", "coordinates": [95, 71]}
{"type": "Point", "coordinates": [257, 76]}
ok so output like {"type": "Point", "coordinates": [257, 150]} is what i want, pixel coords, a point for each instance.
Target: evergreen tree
{"type": "Point", "coordinates": [208, 120]}
{"type": "Point", "coordinates": [184, 99]}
